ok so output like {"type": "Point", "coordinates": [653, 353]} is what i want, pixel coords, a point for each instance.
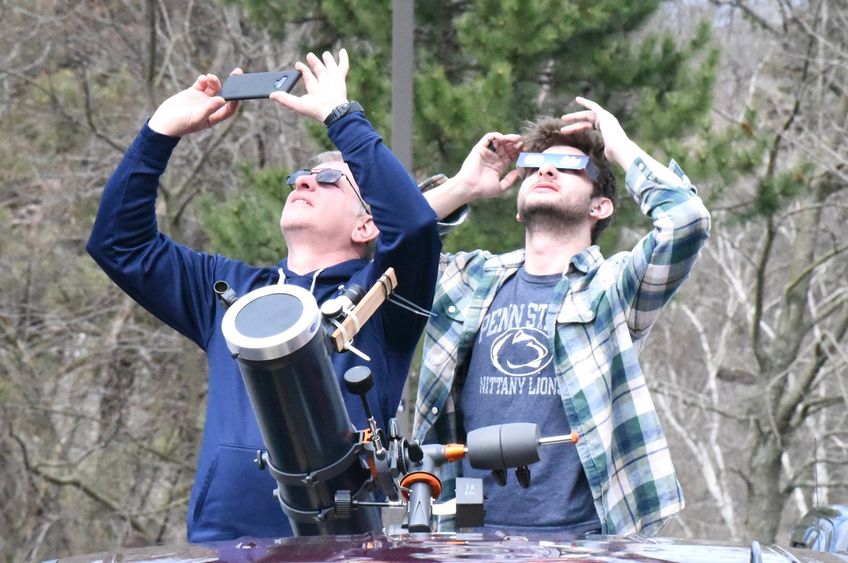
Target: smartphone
{"type": "Point", "coordinates": [257, 85]}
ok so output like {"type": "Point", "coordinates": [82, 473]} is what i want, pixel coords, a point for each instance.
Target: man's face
{"type": "Point", "coordinates": [331, 209]}
{"type": "Point", "coordinates": [555, 193]}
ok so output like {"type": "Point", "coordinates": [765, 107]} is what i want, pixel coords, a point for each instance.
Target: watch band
{"type": "Point", "coordinates": [341, 110]}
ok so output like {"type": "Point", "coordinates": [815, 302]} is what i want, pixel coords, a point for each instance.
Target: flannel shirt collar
{"type": "Point", "coordinates": [587, 260]}
{"type": "Point", "coordinates": [510, 261]}
{"type": "Point", "coordinates": [584, 261]}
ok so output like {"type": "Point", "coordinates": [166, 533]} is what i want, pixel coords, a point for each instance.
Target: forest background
{"type": "Point", "coordinates": [102, 405]}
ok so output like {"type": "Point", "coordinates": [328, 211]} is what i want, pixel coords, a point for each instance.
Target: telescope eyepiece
{"type": "Point", "coordinates": [224, 293]}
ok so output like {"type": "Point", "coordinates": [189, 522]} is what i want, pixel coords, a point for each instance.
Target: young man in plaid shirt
{"type": "Point", "coordinates": [551, 333]}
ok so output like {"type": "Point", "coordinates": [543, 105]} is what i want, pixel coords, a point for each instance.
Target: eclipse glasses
{"type": "Point", "coordinates": [535, 160]}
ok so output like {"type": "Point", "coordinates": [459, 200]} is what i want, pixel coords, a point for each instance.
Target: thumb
{"type": "Point", "coordinates": [213, 104]}
{"type": "Point", "coordinates": [510, 179]}
{"type": "Point", "coordinates": [285, 99]}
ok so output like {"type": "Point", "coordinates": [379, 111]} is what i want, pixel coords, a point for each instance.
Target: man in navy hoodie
{"type": "Point", "coordinates": [333, 237]}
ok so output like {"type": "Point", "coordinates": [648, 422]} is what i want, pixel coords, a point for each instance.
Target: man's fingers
{"type": "Point", "coordinates": [329, 60]}
{"type": "Point", "coordinates": [287, 100]}
{"type": "Point", "coordinates": [585, 115]}
{"type": "Point", "coordinates": [315, 64]}
{"type": "Point", "coordinates": [213, 84]}
{"type": "Point", "coordinates": [512, 150]}
{"type": "Point", "coordinates": [508, 180]}
{"type": "Point", "coordinates": [511, 144]}
{"type": "Point", "coordinates": [575, 127]}
{"type": "Point", "coordinates": [500, 137]}
{"type": "Point", "coordinates": [200, 83]}
{"type": "Point", "coordinates": [309, 80]}
{"type": "Point", "coordinates": [594, 106]}
{"type": "Point", "coordinates": [505, 146]}
{"type": "Point", "coordinates": [225, 111]}
{"type": "Point", "coordinates": [344, 62]}
{"type": "Point", "coordinates": [237, 70]}
{"type": "Point", "coordinates": [304, 105]}
{"type": "Point", "coordinates": [213, 105]}
{"type": "Point", "coordinates": [511, 137]}
{"type": "Point", "coordinates": [487, 141]}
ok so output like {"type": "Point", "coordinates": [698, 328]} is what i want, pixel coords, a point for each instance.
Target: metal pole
{"type": "Point", "coordinates": [403, 32]}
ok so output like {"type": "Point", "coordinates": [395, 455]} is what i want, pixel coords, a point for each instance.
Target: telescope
{"type": "Point", "coordinates": [277, 336]}
{"type": "Point", "coordinates": [328, 473]}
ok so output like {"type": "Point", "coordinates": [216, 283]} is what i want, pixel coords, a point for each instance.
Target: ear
{"type": "Point", "coordinates": [601, 208]}
{"type": "Point", "coordinates": [518, 217]}
{"type": "Point", "coordinates": [365, 230]}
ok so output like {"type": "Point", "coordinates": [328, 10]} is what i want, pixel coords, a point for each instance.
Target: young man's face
{"type": "Point", "coordinates": [331, 209]}
{"type": "Point", "coordinates": [554, 193]}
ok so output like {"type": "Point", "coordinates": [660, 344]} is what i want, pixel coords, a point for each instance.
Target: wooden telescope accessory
{"type": "Point", "coordinates": [367, 306]}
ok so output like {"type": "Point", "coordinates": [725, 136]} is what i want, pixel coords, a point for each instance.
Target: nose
{"type": "Point", "coordinates": [548, 170]}
{"type": "Point", "coordinates": [306, 182]}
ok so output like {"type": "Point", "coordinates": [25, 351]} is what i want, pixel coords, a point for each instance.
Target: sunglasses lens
{"type": "Point", "coordinates": [292, 179]}
{"type": "Point", "coordinates": [328, 176]}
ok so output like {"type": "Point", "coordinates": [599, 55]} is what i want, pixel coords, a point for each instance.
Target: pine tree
{"type": "Point", "coordinates": [487, 65]}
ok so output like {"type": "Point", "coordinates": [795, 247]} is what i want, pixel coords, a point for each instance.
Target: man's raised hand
{"type": "Point", "coordinates": [194, 109]}
{"type": "Point", "coordinates": [324, 80]}
{"type": "Point", "coordinates": [486, 173]}
{"type": "Point", "coordinates": [617, 145]}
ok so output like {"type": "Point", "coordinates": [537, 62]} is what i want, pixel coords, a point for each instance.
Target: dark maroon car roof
{"type": "Point", "coordinates": [457, 547]}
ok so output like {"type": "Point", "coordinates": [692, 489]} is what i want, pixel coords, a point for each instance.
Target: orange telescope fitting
{"type": "Point", "coordinates": [454, 452]}
{"type": "Point", "coordinates": [418, 477]}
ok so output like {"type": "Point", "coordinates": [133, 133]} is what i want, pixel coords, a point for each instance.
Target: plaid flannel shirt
{"type": "Point", "coordinates": [603, 313]}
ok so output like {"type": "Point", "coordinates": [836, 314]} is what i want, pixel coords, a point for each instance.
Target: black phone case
{"type": "Point", "coordinates": [257, 85]}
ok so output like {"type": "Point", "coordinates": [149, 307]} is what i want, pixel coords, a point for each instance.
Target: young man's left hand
{"type": "Point", "coordinates": [617, 145]}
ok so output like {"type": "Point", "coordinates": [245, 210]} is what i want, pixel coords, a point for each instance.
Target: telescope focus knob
{"type": "Point", "coordinates": [358, 380]}
{"type": "Point", "coordinates": [415, 453]}
{"type": "Point", "coordinates": [344, 503]}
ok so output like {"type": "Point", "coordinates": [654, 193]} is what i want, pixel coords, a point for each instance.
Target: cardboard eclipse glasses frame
{"type": "Point", "coordinates": [536, 160]}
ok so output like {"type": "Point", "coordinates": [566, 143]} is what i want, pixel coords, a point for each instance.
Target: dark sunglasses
{"type": "Point", "coordinates": [532, 161]}
{"type": "Point", "coordinates": [326, 176]}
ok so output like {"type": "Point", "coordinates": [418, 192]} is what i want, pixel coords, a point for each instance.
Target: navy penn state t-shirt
{"type": "Point", "coordinates": [511, 378]}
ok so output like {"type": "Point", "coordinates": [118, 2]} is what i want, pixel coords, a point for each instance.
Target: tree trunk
{"type": "Point", "coordinates": [765, 499]}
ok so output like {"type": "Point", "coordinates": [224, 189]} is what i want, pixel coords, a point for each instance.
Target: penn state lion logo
{"type": "Point", "coordinates": [520, 352]}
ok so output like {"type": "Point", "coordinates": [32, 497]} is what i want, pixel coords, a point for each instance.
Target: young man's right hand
{"type": "Point", "coordinates": [194, 109]}
{"type": "Point", "coordinates": [486, 173]}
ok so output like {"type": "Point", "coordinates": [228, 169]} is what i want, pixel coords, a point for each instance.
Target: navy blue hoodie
{"type": "Point", "coordinates": [230, 497]}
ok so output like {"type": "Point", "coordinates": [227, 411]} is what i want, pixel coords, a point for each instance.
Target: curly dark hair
{"type": "Point", "coordinates": [544, 133]}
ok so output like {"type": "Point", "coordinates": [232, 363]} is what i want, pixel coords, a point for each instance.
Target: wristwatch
{"type": "Point", "coordinates": [341, 110]}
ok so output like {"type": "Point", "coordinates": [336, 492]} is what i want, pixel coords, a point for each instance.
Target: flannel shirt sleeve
{"type": "Point", "coordinates": [663, 259]}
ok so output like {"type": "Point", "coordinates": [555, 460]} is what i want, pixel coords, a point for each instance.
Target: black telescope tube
{"type": "Point", "coordinates": [282, 352]}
